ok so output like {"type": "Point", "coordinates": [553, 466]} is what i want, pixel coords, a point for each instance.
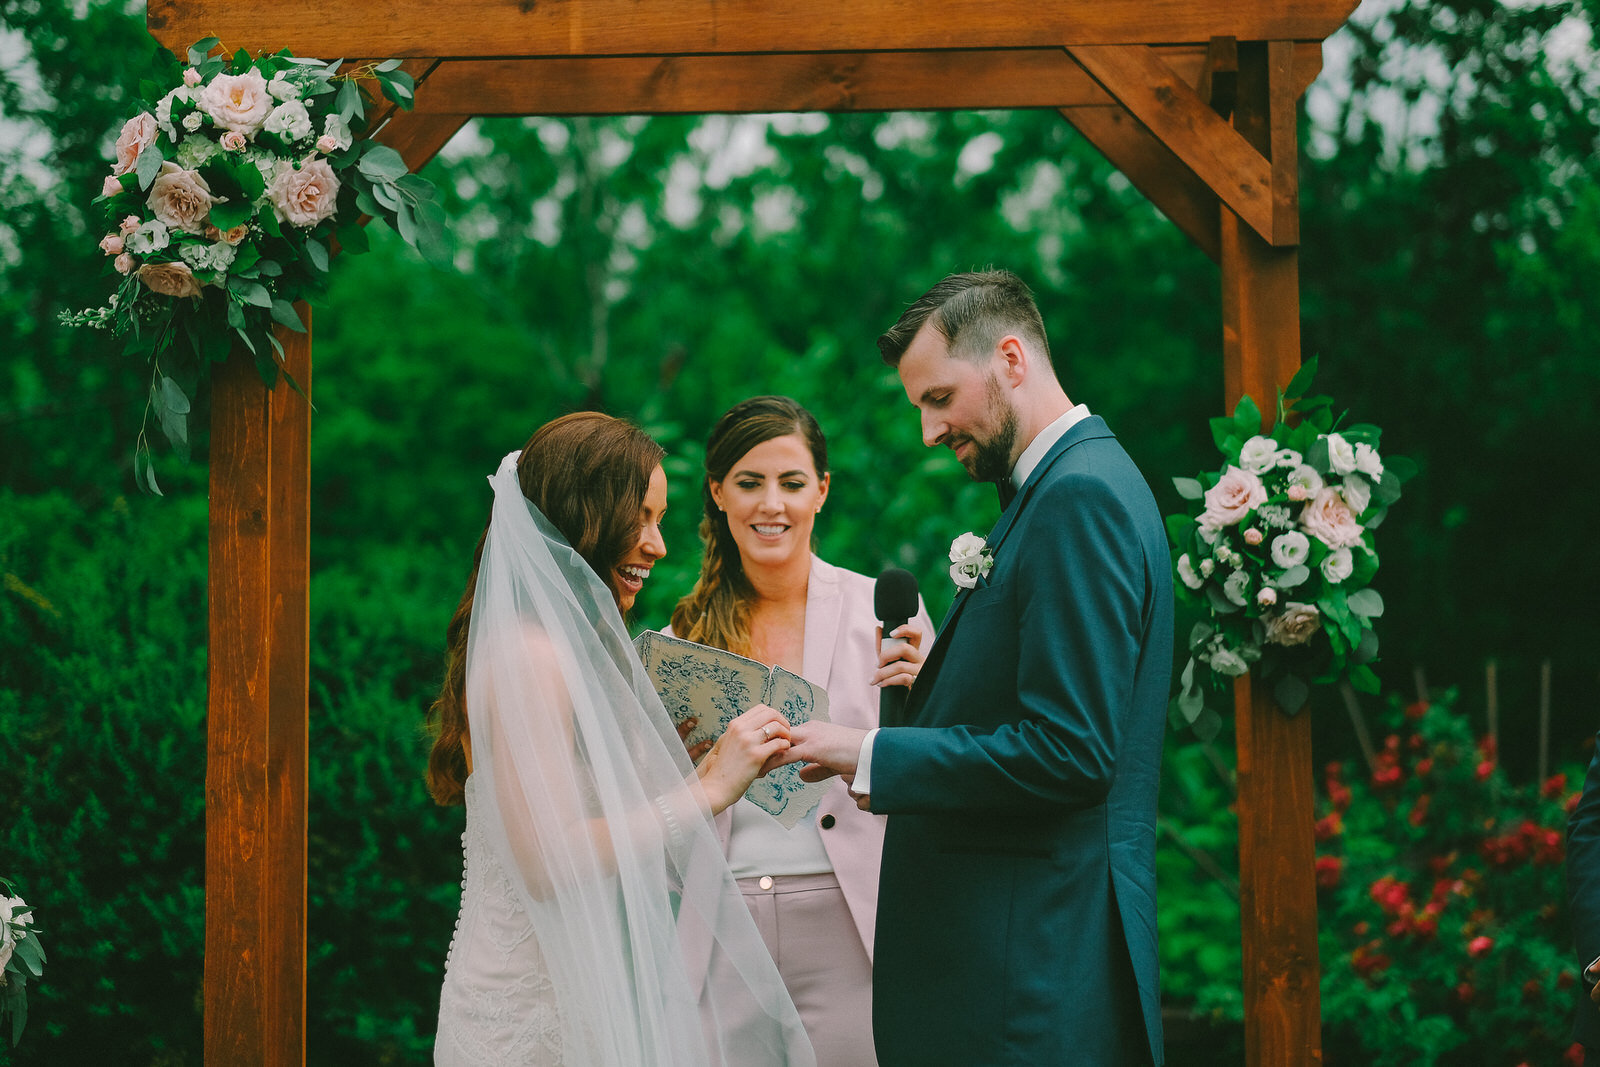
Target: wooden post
{"type": "Point", "coordinates": [1261, 351]}
{"type": "Point", "coordinates": [258, 672]}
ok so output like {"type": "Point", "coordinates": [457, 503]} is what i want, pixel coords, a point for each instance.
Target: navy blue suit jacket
{"type": "Point", "coordinates": [1583, 894]}
{"type": "Point", "coordinates": [1017, 906]}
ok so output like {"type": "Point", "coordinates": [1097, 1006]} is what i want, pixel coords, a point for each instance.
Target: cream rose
{"type": "Point", "coordinates": [1327, 518]}
{"type": "Point", "coordinates": [138, 133]}
{"type": "Point", "coordinates": [180, 199]}
{"type": "Point", "coordinates": [1234, 496]}
{"type": "Point", "coordinates": [1295, 625]}
{"type": "Point", "coordinates": [238, 102]}
{"type": "Point", "coordinates": [169, 279]}
{"type": "Point", "coordinates": [1266, 596]}
{"type": "Point", "coordinates": [306, 196]}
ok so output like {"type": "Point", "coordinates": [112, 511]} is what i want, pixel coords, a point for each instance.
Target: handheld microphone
{"type": "Point", "coordinates": [894, 601]}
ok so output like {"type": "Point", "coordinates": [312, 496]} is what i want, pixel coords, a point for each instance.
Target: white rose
{"type": "Point", "coordinates": [1306, 477]}
{"type": "Point", "coordinates": [1258, 455]}
{"type": "Point", "coordinates": [1357, 492]}
{"type": "Point", "coordinates": [192, 120]}
{"type": "Point", "coordinates": [1338, 565]}
{"type": "Point", "coordinates": [1367, 461]}
{"type": "Point", "coordinates": [237, 101]}
{"type": "Point", "coordinates": [1236, 494]}
{"type": "Point", "coordinates": [1327, 518]}
{"type": "Point", "coordinates": [1290, 549]}
{"type": "Point", "coordinates": [150, 237]}
{"type": "Point", "coordinates": [1267, 596]}
{"type": "Point", "coordinates": [1341, 454]}
{"type": "Point", "coordinates": [336, 128]}
{"type": "Point", "coordinates": [1186, 572]}
{"type": "Point", "coordinates": [289, 120]}
{"type": "Point", "coordinates": [968, 544]}
{"type": "Point", "coordinates": [1294, 625]}
{"type": "Point", "coordinates": [1236, 588]}
{"type": "Point", "coordinates": [283, 89]}
{"type": "Point", "coordinates": [1228, 662]}
{"type": "Point", "coordinates": [967, 572]}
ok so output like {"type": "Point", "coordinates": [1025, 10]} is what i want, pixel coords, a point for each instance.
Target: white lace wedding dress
{"type": "Point", "coordinates": [498, 1005]}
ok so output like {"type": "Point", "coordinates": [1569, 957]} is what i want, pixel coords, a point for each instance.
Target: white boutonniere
{"type": "Point", "coordinates": [970, 560]}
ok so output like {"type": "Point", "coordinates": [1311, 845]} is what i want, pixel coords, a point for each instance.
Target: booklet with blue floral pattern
{"type": "Point", "coordinates": [715, 686]}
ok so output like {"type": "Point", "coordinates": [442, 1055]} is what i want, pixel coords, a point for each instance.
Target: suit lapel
{"type": "Point", "coordinates": [823, 607]}
{"type": "Point", "coordinates": [1086, 430]}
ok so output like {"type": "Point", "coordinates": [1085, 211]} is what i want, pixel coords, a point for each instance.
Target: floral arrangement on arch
{"type": "Point", "coordinates": [1277, 550]}
{"type": "Point", "coordinates": [229, 187]}
{"type": "Point", "coordinates": [21, 957]}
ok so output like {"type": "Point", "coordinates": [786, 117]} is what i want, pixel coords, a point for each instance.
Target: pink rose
{"type": "Point", "coordinates": [191, 77]}
{"type": "Point", "coordinates": [306, 196]}
{"type": "Point", "coordinates": [128, 224]}
{"type": "Point", "coordinates": [1328, 518]}
{"type": "Point", "coordinates": [327, 144]}
{"type": "Point", "coordinates": [1252, 536]}
{"type": "Point", "coordinates": [1295, 625]}
{"type": "Point", "coordinates": [138, 133]}
{"type": "Point", "coordinates": [238, 102]}
{"type": "Point", "coordinates": [111, 186]}
{"type": "Point", "coordinates": [169, 279]}
{"type": "Point", "coordinates": [1234, 496]}
{"type": "Point", "coordinates": [125, 263]}
{"type": "Point", "coordinates": [180, 199]}
{"type": "Point", "coordinates": [111, 244]}
{"type": "Point", "coordinates": [233, 141]}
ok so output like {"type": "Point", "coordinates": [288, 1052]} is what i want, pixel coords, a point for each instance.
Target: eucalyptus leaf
{"type": "Point", "coordinates": [1291, 693]}
{"type": "Point", "coordinates": [1208, 725]}
{"type": "Point", "coordinates": [389, 64]}
{"type": "Point", "coordinates": [144, 473]}
{"type": "Point", "coordinates": [1363, 680]}
{"type": "Point", "coordinates": [317, 253]}
{"type": "Point", "coordinates": [1188, 488]}
{"type": "Point", "coordinates": [235, 316]}
{"type": "Point", "coordinates": [148, 167]}
{"type": "Point", "coordinates": [406, 224]}
{"type": "Point", "coordinates": [1199, 635]}
{"type": "Point", "coordinates": [382, 164]}
{"type": "Point", "coordinates": [1367, 603]}
{"type": "Point", "coordinates": [1293, 576]}
{"type": "Point", "coordinates": [1367, 650]}
{"type": "Point", "coordinates": [173, 396]}
{"type": "Point", "coordinates": [385, 194]}
{"type": "Point", "coordinates": [252, 293]}
{"type": "Point", "coordinates": [201, 49]}
{"type": "Point", "coordinates": [348, 102]}
{"type": "Point", "coordinates": [367, 206]}
{"type": "Point", "coordinates": [283, 313]}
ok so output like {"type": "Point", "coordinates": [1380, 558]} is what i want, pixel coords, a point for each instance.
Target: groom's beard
{"type": "Point", "coordinates": [991, 458]}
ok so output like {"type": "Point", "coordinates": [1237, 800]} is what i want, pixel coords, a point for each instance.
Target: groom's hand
{"type": "Point", "coordinates": [826, 749]}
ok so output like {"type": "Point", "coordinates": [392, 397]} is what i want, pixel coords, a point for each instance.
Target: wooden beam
{"type": "Point", "coordinates": [256, 743]}
{"type": "Point", "coordinates": [1152, 168]}
{"type": "Point", "coordinates": [419, 137]}
{"type": "Point", "coordinates": [1278, 896]}
{"type": "Point", "coordinates": [474, 28]}
{"type": "Point", "coordinates": [1219, 79]}
{"type": "Point", "coordinates": [1239, 174]}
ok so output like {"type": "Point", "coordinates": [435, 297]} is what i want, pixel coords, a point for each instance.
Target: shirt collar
{"type": "Point", "coordinates": [1043, 441]}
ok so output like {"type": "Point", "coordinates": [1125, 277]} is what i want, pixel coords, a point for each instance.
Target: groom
{"type": "Point", "coordinates": [1016, 910]}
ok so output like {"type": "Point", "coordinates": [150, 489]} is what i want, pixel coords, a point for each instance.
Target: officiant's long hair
{"type": "Point", "coordinates": [588, 474]}
{"type": "Point", "coordinates": [717, 610]}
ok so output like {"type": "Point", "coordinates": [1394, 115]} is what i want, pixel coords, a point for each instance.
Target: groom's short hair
{"type": "Point", "coordinates": [971, 311]}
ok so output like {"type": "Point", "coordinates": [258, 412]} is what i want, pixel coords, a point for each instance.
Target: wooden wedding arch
{"type": "Point", "coordinates": [1194, 100]}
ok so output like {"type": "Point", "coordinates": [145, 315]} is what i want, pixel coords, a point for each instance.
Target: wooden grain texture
{"type": "Point", "coordinates": [1278, 896]}
{"type": "Point", "coordinates": [256, 747]}
{"type": "Point", "coordinates": [1171, 108]}
{"type": "Point", "coordinates": [482, 28]}
{"type": "Point", "coordinates": [1155, 171]}
{"type": "Point", "coordinates": [418, 137]}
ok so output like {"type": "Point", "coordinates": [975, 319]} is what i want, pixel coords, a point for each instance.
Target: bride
{"type": "Point", "coordinates": [590, 858]}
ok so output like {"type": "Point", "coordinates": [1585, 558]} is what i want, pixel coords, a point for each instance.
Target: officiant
{"type": "Point", "coordinates": [763, 593]}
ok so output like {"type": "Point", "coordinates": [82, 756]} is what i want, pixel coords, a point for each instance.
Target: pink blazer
{"type": "Point", "coordinates": [841, 656]}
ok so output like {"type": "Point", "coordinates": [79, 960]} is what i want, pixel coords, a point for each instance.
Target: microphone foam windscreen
{"type": "Point", "coordinates": [895, 594]}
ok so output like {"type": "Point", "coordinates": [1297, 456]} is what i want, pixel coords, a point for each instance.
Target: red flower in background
{"type": "Point", "coordinates": [1479, 946]}
{"type": "Point", "coordinates": [1329, 870]}
{"type": "Point", "coordinates": [1554, 786]}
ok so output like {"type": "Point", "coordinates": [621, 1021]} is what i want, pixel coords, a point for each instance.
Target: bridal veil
{"type": "Point", "coordinates": [591, 806]}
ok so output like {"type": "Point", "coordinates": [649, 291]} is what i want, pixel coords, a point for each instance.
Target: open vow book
{"type": "Point", "coordinates": [715, 686]}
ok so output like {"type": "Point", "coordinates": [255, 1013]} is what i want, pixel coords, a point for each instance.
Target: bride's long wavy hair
{"type": "Point", "coordinates": [587, 473]}
{"type": "Point", "coordinates": [717, 610]}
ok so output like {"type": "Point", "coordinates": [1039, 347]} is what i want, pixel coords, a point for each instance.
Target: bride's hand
{"type": "Point", "coordinates": [740, 753]}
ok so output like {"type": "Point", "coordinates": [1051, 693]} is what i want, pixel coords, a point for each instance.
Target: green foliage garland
{"type": "Point", "coordinates": [231, 183]}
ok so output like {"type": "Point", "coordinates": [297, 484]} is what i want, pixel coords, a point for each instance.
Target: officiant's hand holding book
{"type": "Point", "coordinates": [716, 687]}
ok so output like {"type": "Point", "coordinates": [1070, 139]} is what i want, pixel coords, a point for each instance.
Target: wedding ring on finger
{"type": "Point", "coordinates": [766, 732]}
